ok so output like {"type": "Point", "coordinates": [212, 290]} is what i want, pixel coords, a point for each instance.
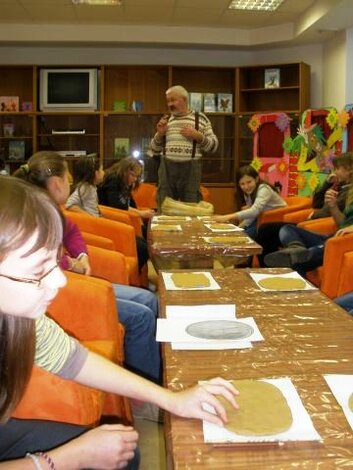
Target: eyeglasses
{"type": "Point", "coordinates": [134, 175]}
{"type": "Point", "coordinates": [37, 282]}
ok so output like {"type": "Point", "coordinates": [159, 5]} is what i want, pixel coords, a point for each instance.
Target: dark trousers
{"type": "Point", "coordinates": [268, 237]}
{"type": "Point", "coordinates": [179, 180]}
{"type": "Point", "coordinates": [19, 436]}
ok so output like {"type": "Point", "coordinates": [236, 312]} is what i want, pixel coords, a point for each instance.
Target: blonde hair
{"type": "Point", "coordinates": [179, 90]}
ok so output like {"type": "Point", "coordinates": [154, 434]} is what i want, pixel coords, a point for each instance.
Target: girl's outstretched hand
{"type": "Point", "coordinates": [188, 403]}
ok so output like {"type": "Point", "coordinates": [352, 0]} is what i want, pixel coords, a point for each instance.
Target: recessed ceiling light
{"type": "Point", "coordinates": [98, 2]}
{"type": "Point", "coordinates": [263, 5]}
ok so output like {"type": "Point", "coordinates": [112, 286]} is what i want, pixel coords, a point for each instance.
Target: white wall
{"type": "Point", "coordinates": [311, 54]}
{"type": "Point", "coordinates": [334, 71]}
{"type": "Point", "coordinates": [349, 66]}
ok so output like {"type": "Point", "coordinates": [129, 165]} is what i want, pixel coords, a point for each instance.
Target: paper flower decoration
{"type": "Point", "coordinates": [256, 164]}
{"type": "Point", "coordinates": [282, 167]}
{"type": "Point", "coordinates": [313, 182]}
{"type": "Point", "coordinates": [343, 118]}
{"type": "Point", "coordinates": [254, 123]}
{"type": "Point", "coordinates": [288, 145]}
{"type": "Point", "coordinates": [282, 122]}
{"type": "Point", "coordinates": [332, 118]}
{"type": "Point", "coordinates": [301, 182]}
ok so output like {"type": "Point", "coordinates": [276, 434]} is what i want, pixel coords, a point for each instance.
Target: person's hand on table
{"type": "Point", "coordinates": [189, 403]}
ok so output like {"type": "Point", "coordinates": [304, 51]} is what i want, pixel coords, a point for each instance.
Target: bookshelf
{"type": "Point", "coordinates": [125, 88]}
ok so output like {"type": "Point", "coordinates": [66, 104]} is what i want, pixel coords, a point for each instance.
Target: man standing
{"type": "Point", "coordinates": [181, 139]}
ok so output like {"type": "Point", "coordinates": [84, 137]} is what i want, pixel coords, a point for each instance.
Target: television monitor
{"type": "Point", "coordinates": [68, 90]}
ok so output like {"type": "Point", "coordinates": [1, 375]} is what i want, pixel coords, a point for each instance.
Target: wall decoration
{"type": "Point", "coordinates": [271, 159]}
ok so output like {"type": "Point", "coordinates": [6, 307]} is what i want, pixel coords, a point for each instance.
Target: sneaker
{"type": "Point", "coordinates": [147, 411]}
{"type": "Point", "coordinates": [288, 257]}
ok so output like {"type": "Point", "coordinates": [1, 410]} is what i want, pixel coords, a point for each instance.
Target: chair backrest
{"type": "Point", "coordinates": [145, 196]}
{"type": "Point", "coordinates": [294, 203]}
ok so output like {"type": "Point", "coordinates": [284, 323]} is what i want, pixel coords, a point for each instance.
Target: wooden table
{"type": "Point", "coordinates": [188, 248]}
{"type": "Point", "coordinates": [306, 336]}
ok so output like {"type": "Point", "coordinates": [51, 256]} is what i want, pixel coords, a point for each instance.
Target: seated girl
{"type": "Point", "coordinates": [31, 237]}
{"type": "Point", "coordinates": [254, 196]}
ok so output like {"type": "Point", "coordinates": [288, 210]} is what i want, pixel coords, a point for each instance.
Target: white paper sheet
{"type": "Point", "coordinates": [174, 330]}
{"type": "Point", "coordinates": [341, 386]}
{"type": "Point", "coordinates": [211, 346]}
{"type": "Point", "coordinates": [230, 228]}
{"type": "Point", "coordinates": [169, 284]}
{"type": "Point", "coordinates": [302, 428]}
{"type": "Point", "coordinates": [256, 277]}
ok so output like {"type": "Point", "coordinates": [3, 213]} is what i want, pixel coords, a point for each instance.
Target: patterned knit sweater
{"type": "Point", "coordinates": [179, 148]}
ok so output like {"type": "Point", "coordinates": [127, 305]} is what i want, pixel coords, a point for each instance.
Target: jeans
{"type": "Point", "coordinates": [19, 436]}
{"type": "Point", "coordinates": [138, 311]}
{"type": "Point", "coordinates": [345, 301]}
{"type": "Point", "coordinates": [313, 241]}
{"type": "Point", "coordinates": [251, 229]}
{"type": "Point", "coordinates": [268, 237]}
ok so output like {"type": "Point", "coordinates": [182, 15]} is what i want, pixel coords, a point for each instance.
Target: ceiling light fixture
{"type": "Point", "coordinates": [98, 2]}
{"type": "Point", "coordinates": [261, 5]}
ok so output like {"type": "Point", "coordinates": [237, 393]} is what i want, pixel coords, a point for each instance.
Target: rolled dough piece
{"type": "Point", "coordinates": [190, 280]}
{"type": "Point", "coordinates": [282, 283]}
{"type": "Point", "coordinates": [263, 410]}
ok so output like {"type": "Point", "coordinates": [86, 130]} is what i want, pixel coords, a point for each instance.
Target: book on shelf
{"type": "Point", "coordinates": [119, 105]}
{"type": "Point", "coordinates": [9, 104]}
{"type": "Point", "coordinates": [8, 129]}
{"type": "Point", "coordinates": [16, 150]}
{"type": "Point", "coordinates": [225, 102]}
{"type": "Point", "coordinates": [121, 147]}
{"type": "Point", "coordinates": [272, 78]}
{"type": "Point", "coordinates": [210, 102]}
{"type": "Point", "coordinates": [196, 101]}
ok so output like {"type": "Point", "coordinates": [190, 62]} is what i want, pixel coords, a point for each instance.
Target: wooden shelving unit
{"type": "Point", "coordinates": [147, 85]}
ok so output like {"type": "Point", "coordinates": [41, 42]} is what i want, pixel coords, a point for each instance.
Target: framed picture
{"type": "Point", "coordinates": [272, 78]}
{"type": "Point", "coordinates": [9, 104]}
{"type": "Point", "coordinates": [210, 103]}
{"type": "Point", "coordinates": [121, 147]}
{"type": "Point", "coordinates": [17, 150]}
{"type": "Point", "coordinates": [225, 103]}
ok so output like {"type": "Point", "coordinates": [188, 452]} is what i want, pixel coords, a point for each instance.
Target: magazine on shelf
{"type": "Point", "coordinates": [195, 101]}
{"type": "Point", "coordinates": [272, 78]}
{"type": "Point", "coordinates": [210, 103]}
{"type": "Point", "coordinates": [121, 147]}
{"type": "Point", "coordinates": [16, 150]}
{"type": "Point", "coordinates": [225, 103]}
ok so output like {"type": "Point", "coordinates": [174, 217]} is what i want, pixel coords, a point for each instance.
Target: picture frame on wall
{"type": "Point", "coordinates": [272, 78]}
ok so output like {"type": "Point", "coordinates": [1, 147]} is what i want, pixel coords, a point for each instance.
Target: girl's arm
{"type": "Point", "coordinates": [97, 372]}
{"type": "Point", "coordinates": [264, 194]}
{"type": "Point", "coordinates": [108, 446]}
{"type": "Point", "coordinates": [226, 218]}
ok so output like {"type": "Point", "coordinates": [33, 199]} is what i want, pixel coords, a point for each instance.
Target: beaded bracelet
{"type": "Point", "coordinates": [35, 460]}
{"type": "Point", "coordinates": [48, 460]}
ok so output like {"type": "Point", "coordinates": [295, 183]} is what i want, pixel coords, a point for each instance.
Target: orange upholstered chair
{"type": "Point", "coordinates": [327, 276]}
{"type": "Point", "coordinates": [121, 234]}
{"type": "Point", "coordinates": [294, 203]}
{"type": "Point", "coordinates": [108, 264]}
{"type": "Point", "coordinates": [145, 196]}
{"type": "Point", "coordinates": [86, 309]}
{"type": "Point", "coordinates": [345, 283]}
{"type": "Point", "coordinates": [121, 215]}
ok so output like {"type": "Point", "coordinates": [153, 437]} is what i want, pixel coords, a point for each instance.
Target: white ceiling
{"type": "Point", "coordinates": [171, 22]}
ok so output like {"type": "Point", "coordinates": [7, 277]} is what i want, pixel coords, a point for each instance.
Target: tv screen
{"type": "Point", "coordinates": [68, 89]}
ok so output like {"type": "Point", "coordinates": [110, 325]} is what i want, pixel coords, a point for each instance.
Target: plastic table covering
{"type": "Point", "coordinates": [306, 336]}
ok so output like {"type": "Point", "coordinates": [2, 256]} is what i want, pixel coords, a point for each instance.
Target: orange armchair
{"type": "Point", "coordinates": [345, 283]}
{"type": "Point", "coordinates": [294, 203]}
{"type": "Point", "coordinates": [108, 264]}
{"type": "Point", "coordinates": [121, 234]}
{"type": "Point", "coordinates": [121, 215]}
{"type": "Point", "coordinates": [328, 276]}
{"type": "Point", "coordinates": [85, 308]}
{"type": "Point", "coordinates": [145, 196]}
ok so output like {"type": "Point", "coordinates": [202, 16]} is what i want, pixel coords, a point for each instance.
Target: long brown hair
{"type": "Point", "coordinates": [40, 167]}
{"type": "Point", "coordinates": [247, 170]}
{"type": "Point", "coordinates": [24, 211]}
{"type": "Point", "coordinates": [121, 170]}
